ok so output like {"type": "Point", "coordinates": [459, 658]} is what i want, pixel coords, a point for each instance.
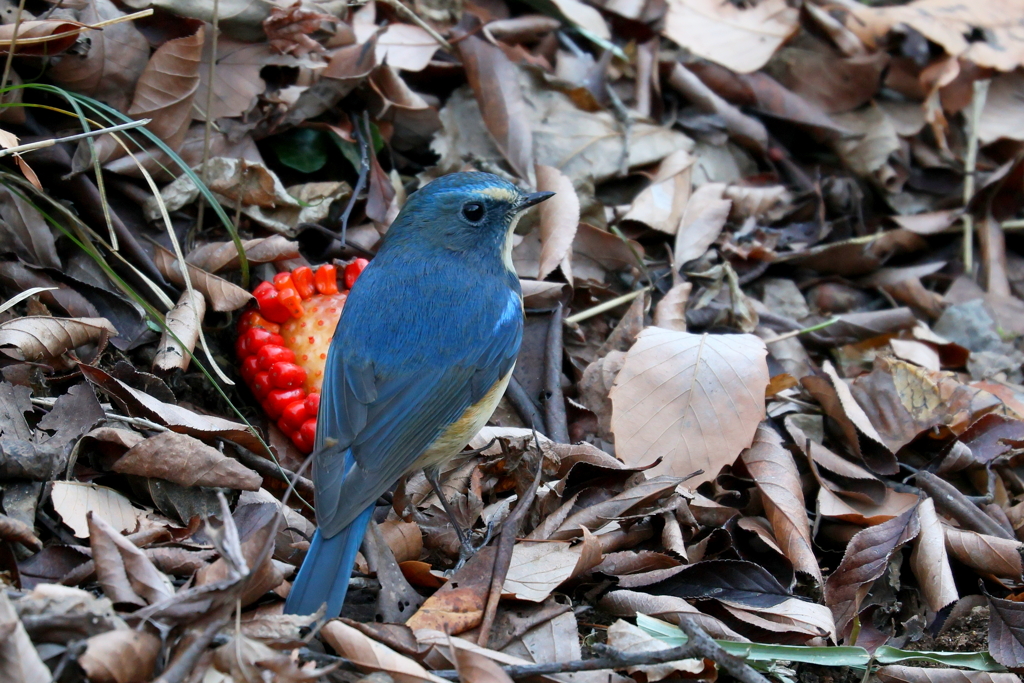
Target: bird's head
{"type": "Point", "coordinates": [465, 212]}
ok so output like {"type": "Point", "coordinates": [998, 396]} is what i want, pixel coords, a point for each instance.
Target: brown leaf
{"type": "Point", "coordinates": [165, 93]}
{"type": "Point", "coordinates": [43, 339]}
{"type": "Point", "coordinates": [660, 205]}
{"type": "Point", "coordinates": [741, 39]}
{"type": "Point", "coordinates": [16, 531]}
{"type": "Point", "coordinates": [670, 312]}
{"type": "Point", "coordinates": [537, 569]}
{"type": "Point", "coordinates": [458, 605]}
{"type": "Point", "coordinates": [116, 58]}
{"type": "Point", "coordinates": [140, 404]}
{"type": "Point", "coordinates": [178, 341]}
{"type": "Point", "coordinates": [40, 38]}
{"type": "Point", "coordinates": [124, 571]}
{"type": "Point", "coordinates": [693, 399]}
{"type": "Point", "coordinates": [778, 479]}
{"type": "Point", "coordinates": [864, 561]}
{"type": "Point", "coordinates": [897, 673]}
{"type": "Point", "coordinates": [19, 660]}
{"type": "Point", "coordinates": [236, 76]}
{"type": "Point", "coordinates": [703, 219]}
{"type": "Point", "coordinates": [592, 518]}
{"type": "Point", "coordinates": [223, 296]}
{"type": "Point", "coordinates": [559, 217]}
{"type": "Point", "coordinates": [370, 655]}
{"type": "Point", "coordinates": [216, 256]}
{"type": "Point", "coordinates": [626, 603]}
{"type": "Point", "coordinates": [1006, 631]}
{"type": "Point", "coordinates": [26, 232]}
{"type": "Point", "coordinates": [259, 579]}
{"type": "Point", "coordinates": [930, 562]}
{"type": "Point", "coordinates": [187, 461]}
{"type": "Point", "coordinates": [626, 637]}
{"type": "Point", "coordinates": [73, 500]}
{"type": "Point", "coordinates": [792, 616]}
{"type": "Point", "coordinates": [120, 656]}
{"type": "Point", "coordinates": [474, 667]}
{"type": "Point", "coordinates": [495, 84]}
{"type": "Point", "coordinates": [987, 554]}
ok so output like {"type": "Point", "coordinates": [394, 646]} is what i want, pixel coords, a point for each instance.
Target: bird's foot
{"type": "Point", "coordinates": [468, 550]}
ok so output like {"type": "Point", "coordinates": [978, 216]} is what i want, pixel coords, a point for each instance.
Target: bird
{"type": "Point", "coordinates": [423, 351]}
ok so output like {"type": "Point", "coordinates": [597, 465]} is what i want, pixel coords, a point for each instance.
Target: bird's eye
{"type": "Point", "coordinates": [473, 212]}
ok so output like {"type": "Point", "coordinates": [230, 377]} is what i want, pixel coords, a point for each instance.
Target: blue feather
{"type": "Point", "coordinates": [328, 567]}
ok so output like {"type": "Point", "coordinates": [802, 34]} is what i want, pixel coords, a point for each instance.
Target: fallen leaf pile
{"type": "Point", "coordinates": [771, 380]}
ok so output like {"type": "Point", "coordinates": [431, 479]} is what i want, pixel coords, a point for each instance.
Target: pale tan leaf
{"type": "Point", "coordinates": [43, 338]}
{"type": "Point", "coordinates": [371, 655]}
{"type": "Point", "coordinates": [778, 479]}
{"type": "Point", "coordinates": [988, 554]}
{"type": "Point", "coordinates": [19, 659]}
{"type": "Point", "coordinates": [559, 217]}
{"type": "Point", "coordinates": [703, 219]}
{"type": "Point", "coordinates": [216, 256]}
{"type": "Point", "coordinates": [755, 202]}
{"type": "Point", "coordinates": [627, 603]}
{"type": "Point", "coordinates": [670, 313]}
{"type": "Point", "coordinates": [539, 568]}
{"type": "Point", "coordinates": [660, 205]}
{"type": "Point", "coordinates": [860, 512]}
{"type": "Point", "coordinates": [867, 151]}
{"type": "Point", "coordinates": [693, 400]}
{"type": "Point", "coordinates": [929, 561]}
{"type": "Point", "coordinates": [223, 296]}
{"type": "Point", "coordinates": [236, 76]}
{"type": "Point", "coordinates": [186, 461]}
{"type": "Point", "coordinates": [179, 339]}
{"type": "Point", "coordinates": [629, 638]}
{"type": "Point", "coordinates": [789, 616]}
{"type": "Point", "coordinates": [741, 38]}
{"type": "Point", "coordinates": [72, 500]}
{"type": "Point", "coordinates": [474, 667]}
{"type": "Point", "coordinates": [897, 673]}
{"type": "Point", "coordinates": [585, 16]}
{"type": "Point", "coordinates": [120, 656]}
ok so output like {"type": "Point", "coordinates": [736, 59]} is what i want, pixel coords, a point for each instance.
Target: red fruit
{"type": "Point", "coordinates": [354, 270]}
{"type": "Point", "coordinates": [282, 344]}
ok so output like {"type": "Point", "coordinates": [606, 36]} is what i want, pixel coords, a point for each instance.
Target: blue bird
{"type": "Point", "coordinates": [422, 354]}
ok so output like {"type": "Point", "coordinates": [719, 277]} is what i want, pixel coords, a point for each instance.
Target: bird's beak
{"type": "Point", "coordinates": [533, 199]}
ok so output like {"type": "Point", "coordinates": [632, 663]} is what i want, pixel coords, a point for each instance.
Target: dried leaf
{"type": "Point", "coordinates": [559, 217]}
{"type": "Point", "coordinates": [216, 256]}
{"type": "Point", "coordinates": [371, 655]}
{"type": "Point", "coordinates": [988, 554]}
{"type": "Point", "coordinates": [896, 673]}
{"type": "Point", "coordinates": [626, 637]}
{"type": "Point", "coordinates": [693, 400]}
{"type": "Point", "coordinates": [626, 603]}
{"type": "Point", "coordinates": [124, 571]}
{"type": "Point", "coordinates": [178, 341]}
{"type": "Point", "coordinates": [223, 296]}
{"type": "Point", "coordinates": [73, 500]}
{"type": "Point", "coordinates": [44, 339]}
{"type": "Point", "coordinates": [54, 36]}
{"type": "Point", "coordinates": [120, 656]}
{"type": "Point", "coordinates": [702, 222]}
{"type": "Point", "coordinates": [930, 562]}
{"type": "Point", "coordinates": [778, 479]}
{"type": "Point", "coordinates": [537, 569]}
{"type": "Point", "coordinates": [187, 461]}
{"type": "Point", "coordinates": [670, 312]}
{"type": "Point", "coordinates": [19, 660]}
{"type": "Point", "coordinates": [1006, 631]}
{"type": "Point", "coordinates": [660, 205]}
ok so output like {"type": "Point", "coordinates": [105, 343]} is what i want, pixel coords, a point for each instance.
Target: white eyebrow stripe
{"type": "Point", "coordinates": [500, 193]}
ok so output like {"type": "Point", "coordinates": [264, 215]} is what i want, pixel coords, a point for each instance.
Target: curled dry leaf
{"type": "Point", "coordinates": [186, 461]}
{"type": "Point", "coordinates": [370, 655]}
{"type": "Point", "coordinates": [742, 38]}
{"type": "Point", "coordinates": [864, 561]}
{"type": "Point", "coordinates": [474, 667]}
{"type": "Point", "coordinates": [53, 37]}
{"type": "Point", "coordinates": [72, 500]}
{"type": "Point", "coordinates": [178, 341]}
{"type": "Point", "coordinates": [929, 561]}
{"type": "Point", "coordinates": [626, 603]}
{"type": "Point", "coordinates": [988, 554]}
{"type": "Point", "coordinates": [19, 659]}
{"type": "Point", "coordinates": [216, 256]}
{"type": "Point", "coordinates": [702, 222]}
{"type": "Point", "coordinates": [224, 296]}
{"type": "Point", "coordinates": [16, 531]}
{"type": "Point", "coordinates": [43, 339]}
{"type": "Point", "coordinates": [537, 569]}
{"type": "Point", "coordinates": [670, 313]}
{"type": "Point", "coordinates": [660, 205]}
{"type": "Point", "coordinates": [693, 400]}
{"type": "Point", "coordinates": [626, 637]}
{"type": "Point", "coordinates": [778, 479]}
{"type": "Point", "coordinates": [123, 570]}
{"type": "Point", "coordinates": [559, 217]}
{"type": "Point", "coordinates": [897, 673]}
{"type": "Point", "coordinates": [120, 656]}
{"type": "Point", "coordinates": [1006, 631]}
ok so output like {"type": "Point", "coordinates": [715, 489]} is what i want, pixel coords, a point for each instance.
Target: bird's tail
{"type": "Point", "coordinates": [326, 570]}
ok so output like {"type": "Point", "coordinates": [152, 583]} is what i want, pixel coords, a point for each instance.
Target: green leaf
{"type": "Point", "coordinates": [978, 661]}
{"type": "Point", "coordinates": [350, 150]}
{"type": "Point", "coordinates": [303, 149]}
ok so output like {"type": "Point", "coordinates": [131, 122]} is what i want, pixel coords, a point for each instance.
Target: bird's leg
{"type": "Point", "coordinates": [466, 549]}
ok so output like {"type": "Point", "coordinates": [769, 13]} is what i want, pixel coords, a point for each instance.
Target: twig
{"type": "Point", "coordinates": [40, 144]}
{"type": "Point", "coordinates": [365, 150]}
{"type": "Point", "coordinates": [273, 470]}
{"type": "Point", "coordinates": [503, 557]}
{"type": "Point", "coordinates": [796, 333]}
{"type": "Point", "coordinates": [11, 48]}
{"type": "Point", "coordinates": [606, 306]}
{"type": "Point", "coordinates": [414, 18]}
{"type": "Point", "coordinates": [949, 500]}
{"type": "Point", "coordinates": [554, 405]}
{"type": "Point", "coordinates": [970, 166]}
{"type": "Point", "coordinates": [524, 405]}
{"type": "Point", "coordinates": [208, 127]}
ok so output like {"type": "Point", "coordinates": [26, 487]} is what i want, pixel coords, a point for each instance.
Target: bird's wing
{"type": "Point", "coordinates": [383, 419]}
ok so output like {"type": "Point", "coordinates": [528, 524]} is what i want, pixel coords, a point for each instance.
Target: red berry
{"type": "Point", "coordinates": [256, 338]}
{"type": "Point", "coordinates": [250, 366]}
{"type": "Point", "coordinates": [272, 353]}
{"type": "Point", "coordinates": [302, 441]}
{"type": "Point", "coordinates": [271, 306]}
{"type": "Point", "coordinates": [313, 404]}
{"type": "Point", "coordinates": [293, 416]}
{"type": "Point", "coordinates": [354, 270]}
{"type": "Point", "coordinates": [308, 432]}
{"type": "Point", "coordinates": [261, 385]}
{"type": "Point", "coordinates": [303, 279]}
{"type": "Point", "coordinates": [278, 399]}
{"type": "Point", "coordinates": [326, 279]}
{"type": "Point", "coordinates": [287, 375]}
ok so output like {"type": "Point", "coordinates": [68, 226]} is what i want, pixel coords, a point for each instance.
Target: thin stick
{"type": "Point", "coordinates": [40, 144]}
{"type": "Point", "coordinates": [797, 333]}
{"type": "Point", "coordinates": [10, 50]}
{"type": "Point", "coordinates": [206, 115]}
{"type": "Point", "coordinates": [414, 18]}
{"type": "Point", "coordinates": [182, 666]}
{"type": "Point", "coordinates": [525, 406]}
{"type": "Point", "coordinates": [554, 405]}
{"type": "Point", "coordinates": [970, 166]}
{"type": "Point", "coordinates": [71, 32]}
{"type": "Point", "coordinates": [606, 306]}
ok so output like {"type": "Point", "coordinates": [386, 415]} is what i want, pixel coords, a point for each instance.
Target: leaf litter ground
{"type": "Point", "coordinates": [772, 352]}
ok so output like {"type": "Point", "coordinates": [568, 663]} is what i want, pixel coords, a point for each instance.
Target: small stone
{"type": "Point", "coordinates": [971, 325]}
